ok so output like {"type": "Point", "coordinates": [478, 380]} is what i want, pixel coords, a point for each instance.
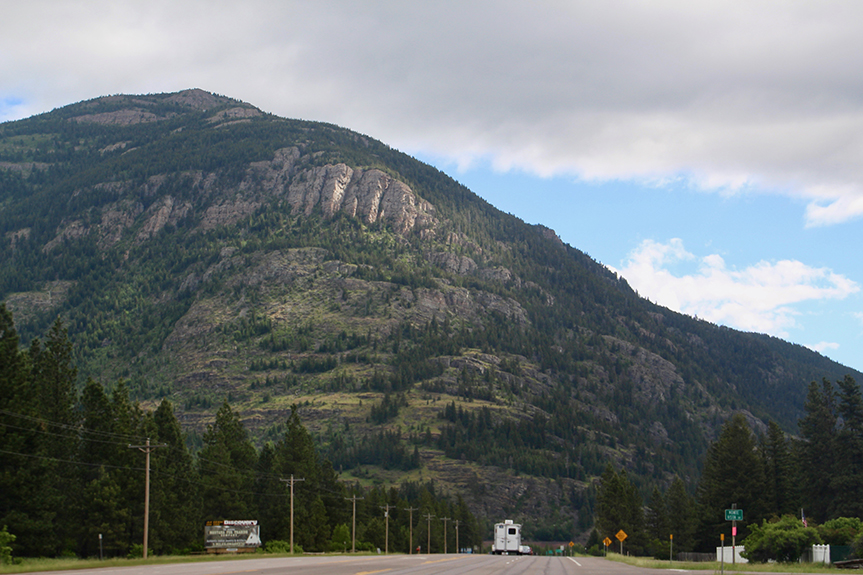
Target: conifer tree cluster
{"type": "Point", "coordinates": [775, 479]}
{"type": "Point", "coordinates": [69, 473]}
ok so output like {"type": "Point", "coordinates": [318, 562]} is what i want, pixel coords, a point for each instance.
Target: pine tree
{"type": "Point", "coordinates": [733, 474]}
{"type": "Point", "coordinates": [619, 507]}
{"type": "Point", "coordinates": [52, 385]}
{"type": "Point", "coordinates": [817, 451]}
{"type": "Point", "coordinates": [681, 512]}
{"type": "Point", "coordinates": [53, 375]}
{"type": "Point", "coordinates": [657, 523]}
{"type": "Point", "coordinates": [225, 465]}
{"type": "Point", "coordinates": [175, 513]}
{"type": "Point", "coordinates": [99, 503]}
{"type": "Point", "coordinates": [847, 482]}
{"type": "Point", "coordinates": [129, 423]}
{"type": "Point", "coordinates": [780, 491]}
{"type": "Point", "coordinates": [19, 474]}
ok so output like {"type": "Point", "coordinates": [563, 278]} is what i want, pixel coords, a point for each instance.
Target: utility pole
{"type": "Point", "coordinates": [428, 519]}
{"type": "Point", "coordinates": [147, 449]}
{"type": "Point", "coordinates": [411, 522]}
{"type": "Point", "coordinates": [354, 536]}
{"type": "Point", "coordinates": [386, 509]}
{"type": "Point", "coordinates": [457, 548]}
{"type": "Point", "coordinates": [444, 519]}
{"type": "Point", "coordinates": [292, 481]}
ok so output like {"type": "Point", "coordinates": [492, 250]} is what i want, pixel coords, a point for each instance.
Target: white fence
{"type": "Point", "coordinates": [729, 558]}
{"type": "Point", "coordinates": [818, 554]}
{"type": "Point", "coordinates": [821, 554]}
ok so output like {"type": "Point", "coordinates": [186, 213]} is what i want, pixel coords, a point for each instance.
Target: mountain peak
{"type": "Point", "coordinates": [127, 110]}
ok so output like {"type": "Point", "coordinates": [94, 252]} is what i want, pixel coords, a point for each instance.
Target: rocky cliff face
{"type": "Point", "coordinates": [371, 195]}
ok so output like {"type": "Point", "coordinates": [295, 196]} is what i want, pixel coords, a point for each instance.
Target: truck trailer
{"type": "Point", "coordinates": [507, 538]}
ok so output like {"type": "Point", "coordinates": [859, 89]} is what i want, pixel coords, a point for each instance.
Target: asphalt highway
{"type": "Point", "coordinates": [388, 565]}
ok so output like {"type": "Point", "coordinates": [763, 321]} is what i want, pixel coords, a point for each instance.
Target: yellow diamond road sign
{"type": "Point", "coordinates": [607, 541]}
{"type": "Point", "coordinates": [621, 535]}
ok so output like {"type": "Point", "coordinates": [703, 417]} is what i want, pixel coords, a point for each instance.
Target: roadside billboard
{"type": "Point", "coordinates": [228, 535]}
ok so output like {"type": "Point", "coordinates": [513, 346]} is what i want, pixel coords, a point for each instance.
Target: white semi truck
{"type": "Point", "coordinates": [507, 538]}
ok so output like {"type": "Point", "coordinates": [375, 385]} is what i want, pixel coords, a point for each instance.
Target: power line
{"type": "Point", "coordinates": [42, 432]}
{"type": "Point", "coordinates": [71, 461]}
{"type": "Point", "coordinates": [76, 428]}
{"type": "Point", "coordinates": [156, 473]}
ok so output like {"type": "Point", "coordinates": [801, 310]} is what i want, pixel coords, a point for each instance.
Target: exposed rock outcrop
{"type": "Point", "coordinates": [166, 211]}
{"type": "Point", "coordinates": [370, 195]}
{"type": "Point", "coordinates": [461, 265]}
{"type": "Point", "coordinates": [119, 118]}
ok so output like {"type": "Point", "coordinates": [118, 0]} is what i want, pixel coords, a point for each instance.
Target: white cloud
{"type": "Point", "coordinates": [730, 97]}
{"type": "Point", "coordinates": [761, 297]}
{"type": "Point", "coordinates": [823, 346]}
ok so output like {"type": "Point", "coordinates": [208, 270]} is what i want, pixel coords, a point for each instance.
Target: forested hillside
{"type": "Point", "coordinates": [72, 474]}
{"type": "Point", "coordinates": [199, 250]}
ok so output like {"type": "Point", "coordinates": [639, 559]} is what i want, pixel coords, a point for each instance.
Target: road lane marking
{"type": "Point", "coordinates": [440, 560]}
{"type": "Point", "coordinates": [574, 561]}
{"type": "Point", "coordinates": [370, 572]}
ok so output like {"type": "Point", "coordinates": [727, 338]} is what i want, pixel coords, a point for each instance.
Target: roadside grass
{"type": "Point", "coordinates": [34, 564]}
{"type": "Point", "coordinates": [716, 567]}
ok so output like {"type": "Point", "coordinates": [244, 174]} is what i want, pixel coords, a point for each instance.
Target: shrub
{"type": "Point", "coordinates": [5, 549]}
{"type": "Point", "coordinates": [136, 551]}
{"type": "Point", "coordinates": [841, 530]}
{"type": "Point", "coordinates": [781, 540]}
{"type": "Point", "coordinates": [278, 546]}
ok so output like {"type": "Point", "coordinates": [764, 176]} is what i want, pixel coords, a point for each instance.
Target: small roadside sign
{"type": "Point", "coordinates": [621, 535]}
{"type": "Point", "coordinates": [734, 515]}
{"type": "Point", "coordinates": [606, 541]}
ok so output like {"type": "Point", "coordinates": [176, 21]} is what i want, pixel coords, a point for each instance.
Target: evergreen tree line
{"type": "Point", "coordinates": [72, 470]}
{"type": "Point", "coordinates": [775, 479]}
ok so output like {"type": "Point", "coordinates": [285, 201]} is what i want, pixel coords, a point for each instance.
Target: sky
{"type": "Point", "coordinates": [710, 152]}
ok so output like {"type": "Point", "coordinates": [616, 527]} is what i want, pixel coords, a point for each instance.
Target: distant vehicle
{"type": "Point", "coordinates": [525, 550]}
{"type": "Point", "coordinates": [507, 538]}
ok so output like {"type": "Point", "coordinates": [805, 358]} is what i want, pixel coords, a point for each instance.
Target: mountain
{"type": "Point", "coordinates": [202, 249]}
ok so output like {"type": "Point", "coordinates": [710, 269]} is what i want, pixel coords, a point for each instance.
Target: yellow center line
{"type": "Point", "coordinates": [370, 572]}
{"type": "Point", "coordinates": [440, 560]}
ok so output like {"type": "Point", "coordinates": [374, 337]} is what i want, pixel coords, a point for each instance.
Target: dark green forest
{"type": "Point", "coordinates": [777, 480]}
{"type": "Point", "coordinates": [71, 470]}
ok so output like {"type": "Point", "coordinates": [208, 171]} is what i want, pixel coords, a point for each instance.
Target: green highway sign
{"type": "Point", "coordinates": [734, 515]}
